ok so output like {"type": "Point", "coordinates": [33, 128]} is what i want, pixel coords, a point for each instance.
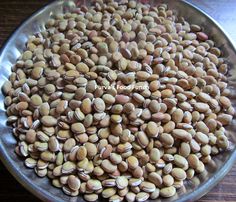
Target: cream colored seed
{"type": "Point", "coordinates": [108, 166]}
{"type": "Point", "coordinates": [44, 109]}
{"type": "Point", "coordinates": [152, 129]}
{"type": "Point", "coordinates": [107, 193]}
{"type": "Point", "coordinates": [178, 173]}
{"type": "Point", "coordinates": [130, 197]}
{"type": "Point", "coordinates": [180, 161]}
{"type": "Point", "coordinates": [182, 134]}
{"type": "Point", "coordinates": [94, 185]}
{"type": "Point", "coordinates": [36, 100]}
{"type": "Point", "coordinates": [121, 182]}
{"type": "Point", "coordinates": [77, 128]}
{"type": "Point", "coordinates": [73, 182]}
{"type": "Point", "coordinates": [155, 178]}
{"type": "Point", "coordinates": [142, 196]}
{"type": "Point", "coordinates": [155, 155]}
{"type": "Point", "coordinates": [147, 187]}
{"type": "Point", "coordinates": [49, 121]}
{"type": "Point", "coordinates": [91, 197]}
{"type": "Point", "coordinates": [132, 162]}
{"type": "Point", "coordinates": [99, 105]}
{"type": "Point", "coordinates": [168, 191]}
{"type": "Point", "coordinates": [91, 149]}
{"type": "Point", "coordinates": [81, 153]}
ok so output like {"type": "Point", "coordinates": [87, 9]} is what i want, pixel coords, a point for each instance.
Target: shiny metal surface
{"type": "Point", "coordinates": [192, 190]}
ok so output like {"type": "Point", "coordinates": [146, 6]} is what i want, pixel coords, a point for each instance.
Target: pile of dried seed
{"type": "Point", "coordinates": [121, 100]}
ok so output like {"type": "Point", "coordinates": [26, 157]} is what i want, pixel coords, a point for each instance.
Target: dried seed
{"type": "Point", "coordinates": [168, 191]}
{"type": "Point", "coordinates": [48, 121]}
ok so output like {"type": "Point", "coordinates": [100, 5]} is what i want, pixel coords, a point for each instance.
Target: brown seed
{"type": "Point", "coordinates": [202, 36]}
{"type": "Point", "coordinates": [122, 99]}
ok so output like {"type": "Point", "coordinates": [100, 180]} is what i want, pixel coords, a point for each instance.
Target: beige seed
{"type": "Point", "coordinates": [168, 191]}
{"type": "Point", "coordinates": [142, 196]}
{"type": "Point", "coordinates": [155, 155]}
{"type": "Point", "coordinates": [222, 142]}
{"type": "Point", "coordinates": [193, 161]}
{"type": "Point", "coordinates": [108, 166]}
{"type": "Point", "coordinates": [132, 162]}
{"type": "Point", "coordinates": [155, 178]}
{"type": "Point", "coordinates": [122, 99]}
{"type": "Point", "coordinates": [6, 87]}
{"type": "Point", "coordinates": [91, 149]}
{"type": "Point", "coordinates": [201, 138]}
{"type": "Point", "coordinates": [180, 161]}
{"type": "Point", "coordinates": [168, 180]}
{"type": "Point", "coordinates": [121, 182]}
{"type": "Point", "coordinates": [201, 107]}
{"type": "Point", "coordinates": [44, 109]}
{"type": "Point", "coordinates": [86, 106]}
{"type": "Point", "coordinates": [73, 182]}
{"type": "Point", "coordinates": [225, 119]}
{"type": "Point", "coordinates": [142, 139]}
{"type": "Point", "coordinates": [78, 128]}
{"type": "Point", "coordinates": [107, 193]}
{"type": "Point", "coordinates": [91, 197]}
{"type": "Point", "coordinates": [108, 99]}
{"type": "Point", "coordinates": [94, 184]}
{"type": "Point", "coordinates": [147, 186]}
{"type": "Point", "coordinates": [178, 173]}
{"type": "Point", "coordinates": [152, 129]}
{"type": "Point", "coordinates": [36, 100]}
{"type": "Point", "coordinates": [99, 105]}
{"type": "Point", "coordinates": [177, 116]}
{"type": "Point", "coordinates": [53, 144]}
{"type": "Point", "coordinates": [166, 139]}
{"type": "Point", "coordinates": [204, 97]}
{"type": "Point", "coordinates": [48, 121]}
{"type": "Point", "coordinates": [182, 134]}
{"type": "Point", "coordinates": [130, 197]}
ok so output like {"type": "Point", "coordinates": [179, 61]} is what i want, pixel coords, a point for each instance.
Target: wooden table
{"type": "Point", "coordinates": [13, 12]}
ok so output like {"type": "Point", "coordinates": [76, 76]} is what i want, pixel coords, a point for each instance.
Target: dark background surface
{"type": "Point", "coordinates": [13, 12]}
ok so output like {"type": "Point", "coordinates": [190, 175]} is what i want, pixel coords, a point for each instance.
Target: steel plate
{"type": "Point", "coordinates": [41, 187]}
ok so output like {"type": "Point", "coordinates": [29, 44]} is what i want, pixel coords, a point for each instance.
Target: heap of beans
{"type": "Point", "coordinates": [122, 100]}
